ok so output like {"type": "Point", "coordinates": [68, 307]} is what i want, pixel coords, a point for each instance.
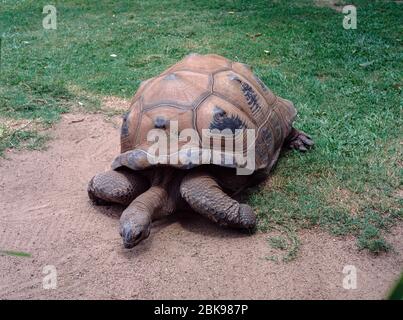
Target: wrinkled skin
{"type": "Point", "coordinates": [154, 193]}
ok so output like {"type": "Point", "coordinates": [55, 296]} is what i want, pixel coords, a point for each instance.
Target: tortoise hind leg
{"type": "Point", "coordinates": [206, 197]}
{"type": "Point", "coordinates": [298, 140]}
{"type": "Point", "coordinates": [121, 187]}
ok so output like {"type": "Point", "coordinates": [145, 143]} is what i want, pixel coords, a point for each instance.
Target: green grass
{"type": "Point", "coordinates": [18, 139]}
{"type": "Point", "coordinates": [15, 253]}
{"type": "Point", "coordinates": [397, 292]}
{"type": "Point", "coordinates": [346, 84]}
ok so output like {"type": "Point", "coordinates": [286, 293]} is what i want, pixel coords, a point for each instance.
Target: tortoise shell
{"type": "Point", "coordinates": [204, 92]}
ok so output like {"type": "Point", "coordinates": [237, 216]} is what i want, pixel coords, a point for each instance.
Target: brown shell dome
{"type": "Point", "coordinates": [204, 92]}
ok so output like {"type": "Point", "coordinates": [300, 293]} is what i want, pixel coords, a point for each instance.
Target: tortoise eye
{"type": "Point", "coordinates": [160, 123]}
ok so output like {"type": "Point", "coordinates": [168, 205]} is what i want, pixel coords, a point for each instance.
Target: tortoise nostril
{"type": "Point", "coordinates": [128, 245]}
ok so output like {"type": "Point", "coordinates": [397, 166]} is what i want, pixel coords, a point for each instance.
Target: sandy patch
{"type": "Point", "coordinates": [44, 211]}
{"type": "Point", "coordinates": [115, 103]}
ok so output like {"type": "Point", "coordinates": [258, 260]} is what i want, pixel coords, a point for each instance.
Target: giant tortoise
{"type": "Point", "coordinates": [209, 95]}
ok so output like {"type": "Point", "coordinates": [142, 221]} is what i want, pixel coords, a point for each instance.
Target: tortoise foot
{"type": "Point", "coordinates": [93, 196]}
{"type": "Point", "coordinates": [299, 141]}
{"type": "Point", "coordinates": [247, 217]}
{"type": "Point", "coordinates": [116, 187]}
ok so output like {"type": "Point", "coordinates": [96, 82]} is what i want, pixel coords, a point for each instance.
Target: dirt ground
{"type": "Point", "coordinates": [44, 210]}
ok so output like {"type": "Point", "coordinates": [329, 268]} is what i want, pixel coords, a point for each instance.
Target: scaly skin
{"type": "Point", "coordinates": [206, 197]}
{"type": "Point", "coordinates": [121, 187]}
{"type": "Point", "coordinates": [298, 140]}
{"type": "Point", "coordinates": [159, 191]}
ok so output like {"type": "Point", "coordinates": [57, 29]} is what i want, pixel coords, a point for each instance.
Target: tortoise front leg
{"type": "Point", "coordinates": [206, 197]}
{"type": "Point", "coordinates": [121, 187]}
